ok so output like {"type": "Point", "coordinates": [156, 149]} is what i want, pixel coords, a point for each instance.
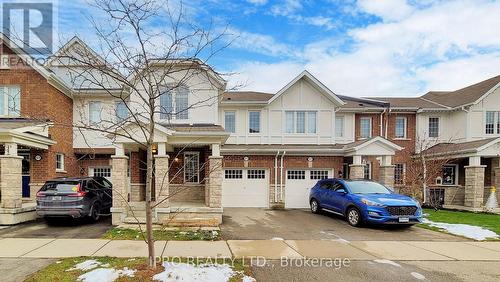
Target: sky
{"type": "Point", "coordinates": [358, 48]}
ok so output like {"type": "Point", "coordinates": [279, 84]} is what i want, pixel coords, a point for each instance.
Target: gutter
{"type": "Point", "coordinates": [276, 177]}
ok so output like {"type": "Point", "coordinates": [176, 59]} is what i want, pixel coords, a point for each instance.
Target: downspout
{"type": "Point", "coordinates": [276, 177]}
{"type": "Point", "coordinates": [382, 123]}
{"type": "Point", "coordinates": [387, 122]}
{"type": "Point", "coordinates": [281, 177]}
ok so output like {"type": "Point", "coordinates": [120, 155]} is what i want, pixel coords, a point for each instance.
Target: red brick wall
{"type": "Point", "coordinates": [375, 124]}
{"type": "Point", "coordinates": [40, 100]}
{"type": "Point", "coordinates": [84, 162]}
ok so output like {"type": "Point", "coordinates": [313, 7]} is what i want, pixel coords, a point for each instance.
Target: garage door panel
{"type": "Point", "coordinates": [299, 183]}
{"type": "Point", "coordinates": [245, 188]}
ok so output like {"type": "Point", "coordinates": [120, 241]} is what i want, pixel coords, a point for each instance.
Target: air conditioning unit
{"type": "Point", "coordinates": [439, 180]}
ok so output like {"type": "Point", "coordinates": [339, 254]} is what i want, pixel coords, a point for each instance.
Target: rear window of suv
{"type": "Point", "coordinates": [62, 187]}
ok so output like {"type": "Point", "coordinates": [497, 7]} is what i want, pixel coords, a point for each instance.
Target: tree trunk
{"type": "Point", "coordinates": [149, 214]}
{"type": "Point", "coordinates": [424, 182]}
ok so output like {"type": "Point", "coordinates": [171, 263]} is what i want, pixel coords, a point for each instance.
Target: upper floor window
{"type": "Point", "coordinates": [230, 121]}
{"type": "Point", "coordinates": [254, 121]}
{"type": "Point", "coordinates": [60, 162]}
{"type": "Point", "coordinates": [339, 126]}
{"type": "Point", "coordinates": [365, 127]}
{"type": "Point", "coordinates": [492, 119]}
{"type": "Point", "coordinates": [300, 122]}
{"type": "Point", "coordinates": [121, 110]}
{"type": "Point", "coordinates": [174, 103]}
{"type": "Point", "coordinates": [433, 127]}
{"type": "Point", "coordinates": [95, 110]}
{"type": "Point", "coordinates": [10, 100]}
{"type": "Point", "coordinates": [400, 127]}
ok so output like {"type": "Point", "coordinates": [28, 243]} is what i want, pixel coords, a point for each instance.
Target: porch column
{"type": "Point", "coordinates": [10, 177]}
{"type": "Point", "coordinates": [214, 186]}
{"type": "Point", "coordinates": [119, 168]}
{"type": "Point", "coordinates": [474, 183]}
{"type": "Point", "coordinates": [357, 168]}
{"type": "Point", "coordinates": [387, 171]}
{"type": "Point", "coordinates": [161, 176]}
{"type": "Point", "coordinates": [496, 172]}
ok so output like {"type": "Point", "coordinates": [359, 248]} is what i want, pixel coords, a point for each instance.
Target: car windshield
{"type": "Point", "coordinates": [62, 187]}
{"type": "Point", "coordinates": [367, 187]}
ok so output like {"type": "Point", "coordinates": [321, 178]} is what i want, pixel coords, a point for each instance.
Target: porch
{"type": "Point", "coordinates": [187, 180]}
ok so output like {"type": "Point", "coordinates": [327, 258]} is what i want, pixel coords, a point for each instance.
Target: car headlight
{"type": "Point", "coordinates": [371, 203]}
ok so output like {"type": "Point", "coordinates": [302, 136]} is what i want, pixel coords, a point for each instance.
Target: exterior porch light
{"type": "Point", "coordinates": [176, 159]}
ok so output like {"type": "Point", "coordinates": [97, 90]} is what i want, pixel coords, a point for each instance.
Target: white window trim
{"type": "Point", "coordinates": [61, 169]}
{"type": "Point", "coordinates": [343, 127]}
{"type": "Point", "coordinates": [197, 170]}
{"type": "Point", "coordinates": [93, 168]}
{"type": "Point", "coordinates": [117, 102]}
{"type": "Point", "coordinates": [173, 114]}
{"type": "Point", "coordinates": [360, 127]}
{"type": "Point", "coordinates": [260, 122]}
{"type": "Point", "coordinates": [429, 128]}
{"type": "Point", "coordinates": [405, 135]}
{"type": "Point", "coordinates": [456, 175]}
{"type": "Point", "coordinates": [306, 123]}
{"type": "Point", "coordinates": [6, 99]}
{"type": "Point", "coordinates": [234, 112]}
{"type": "Point", "coordinates": [496, 121]}
{"type": "Point", "coordinates": [100, 111]}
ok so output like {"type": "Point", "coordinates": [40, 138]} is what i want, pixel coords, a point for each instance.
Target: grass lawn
{"type": "Point", "coordinates": [60, 270]}
{"type": "Point", "coordinates": [485, 220]}
{"type": "Point", "coordinates": [163, 235]}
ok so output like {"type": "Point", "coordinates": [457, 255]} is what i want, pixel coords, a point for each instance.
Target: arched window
{"type": "Point", "coordinates": [174, 103]}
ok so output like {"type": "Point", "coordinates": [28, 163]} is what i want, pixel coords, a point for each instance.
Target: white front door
{"type": "Point", "coordinates": [245, 188]}
{"type": "Point", "coordinates": [299, 183]}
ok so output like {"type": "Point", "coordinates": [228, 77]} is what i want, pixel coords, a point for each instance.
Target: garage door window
{"type": "Point", "coordinates": [296, 174]}
{"type": "Point", "coordinates": [319, 174]}
{"type": "Point", "coordinates": [101, 171]}
{"type": "Point", "coordinates": [233, 174]}
{"type": "Point", "coordinates": [256, 174]}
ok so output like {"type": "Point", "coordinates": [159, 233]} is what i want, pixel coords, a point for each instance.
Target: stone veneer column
{"type": "Point", "coordinates": [214, 186]}
{"type": "Point", "coordinates": [496, 173]}
{"type": "Point", "coordinates": [119, 179]}
{"type": "Point", "coordinates": [10, 181]}
{"type": "Point", "coordinates": [474, 185]}
{"type": "Point", "coordinates": [162, 180]}
{"type": "Point", "coordinates": [356, 169]}
{"type": "Point", "coordinates": [387, 175]}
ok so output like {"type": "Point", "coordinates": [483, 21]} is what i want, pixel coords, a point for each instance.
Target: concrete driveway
{"type": "Point", "coordinates": [255, 223]}
{"type": "Point", "coordinates": [62, 228]}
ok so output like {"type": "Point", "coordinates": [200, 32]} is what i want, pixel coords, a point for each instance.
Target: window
{"type": "Point", "coordinates": [296, 174]}
{"type": "Point", "coordinates": [230, 121]}
{"type": "Point", "coordinates": [233, 174]}
{"type": "Point", "coordinates": [492, 118]}
{"type": "Point", "coordinates": [254, 122]}
{"type": "Point", "coordinates": [300, 122]}
{"type": "Point", "coordinates": [191, 167]}
{"type": "Point", "coordinates": [256, 174]}
{"type": "Point", "coordinates": [433, 127]}
{"type": "Point", "coordinates": [366, 127]}
{"type": "Point", "coordinates": [400, 127]}
{"type": "Point", "coordinates": [174, 103]}
{"type": "Point", "coordinates": [95, 110]}
{"type": "Point", "coordinates": [60, 162]}
{"type": "Point", "coordinates": [121, 110]}
{"type": "Point", "coordinates": [10, 101]}
{"type": "Point", "coordinates": [450, 175]}
{"type": "Point", "coordinates": [100, 171]}
{"type": "Point", "coordinates": [399, 171]}
{"type": "Point", "coordinates": [318, 174]}
{"type": "Point", "coordinates": [339, 126]}
{"type": "Point", "coordinates": [367, 173]}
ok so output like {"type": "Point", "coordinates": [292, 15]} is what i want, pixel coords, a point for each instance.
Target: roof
{"type": "Point", "coordinates": [13, 123]}
{"type": "Point", "coordinates": [408, 103]}
{"type": "Point", "coordinates": [196, 127]}
{"type": "Point", "coordinates": [449, 148]}
{"type": "Point", "coordinates": [361, 103]}
{"type": "Point", "coordinates": [246, 96]}
{"type": "Point", "coordinates": [464, 96]}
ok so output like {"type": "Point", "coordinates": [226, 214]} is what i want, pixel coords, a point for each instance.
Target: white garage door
{"type": "Point", "coordinates": [298, 184]}
{"type": "Point", "coordinates": [245, 188]}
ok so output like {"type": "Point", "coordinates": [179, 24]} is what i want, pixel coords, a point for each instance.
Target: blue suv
{"type": "Point", "coordinates": [362, 201]}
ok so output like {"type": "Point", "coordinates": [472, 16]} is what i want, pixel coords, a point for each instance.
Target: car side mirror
{"type": "Point", "coordinates": [341, 191]}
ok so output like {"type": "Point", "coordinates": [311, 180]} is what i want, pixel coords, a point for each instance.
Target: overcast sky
{"type": "Point", "coordinates": [358, 48]}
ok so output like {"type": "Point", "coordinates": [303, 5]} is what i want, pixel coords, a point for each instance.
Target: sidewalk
{"type": "Point", "coordinates": [269, 249]}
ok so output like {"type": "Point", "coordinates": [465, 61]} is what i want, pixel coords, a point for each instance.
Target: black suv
{"type": "Point", "coordinates": [74, 197]}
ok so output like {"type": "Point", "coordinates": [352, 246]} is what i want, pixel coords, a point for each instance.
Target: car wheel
{"type": "Point", "coordinates": [354, 217]}
{"type": "Point", "coordinates": [95, 212]}
{"type": "Point", "coordinates": [315, 208]}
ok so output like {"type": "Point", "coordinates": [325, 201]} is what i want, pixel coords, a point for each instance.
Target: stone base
{"type": "Point", "coordinates": [464, 208]}
{"type": "Point", "coordinates": [18, 215]}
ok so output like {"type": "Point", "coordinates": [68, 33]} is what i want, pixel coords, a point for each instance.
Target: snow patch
{"type": "Point", "coordinates": [277, 239]}
{"type": "Point", "coordinates": [418, 275]}
{"type": "Point", "coordinates": [386, 261]}
{"type": "Point", "coordinates": [85, 265]}
{"type": "Point", "coordinates": [465, 230]}
{"type": "Point", "coordinates": [203, 272]}
{"type": "Point", "coordinates": [105, 275]}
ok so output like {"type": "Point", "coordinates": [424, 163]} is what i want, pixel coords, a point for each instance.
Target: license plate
{"type": "Point", "coordinates": [404, 219]}
{"type": "Point", "coordinates": [57, 198]}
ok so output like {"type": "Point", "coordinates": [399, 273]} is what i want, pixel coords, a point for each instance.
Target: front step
{"type": "Point", "coordinates": [136, 220]}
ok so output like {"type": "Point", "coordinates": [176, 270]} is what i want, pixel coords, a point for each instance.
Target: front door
{"type": "Point", "coordinates": [25, 174]}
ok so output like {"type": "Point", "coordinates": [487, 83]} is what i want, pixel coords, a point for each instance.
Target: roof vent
{"type": "Point", "coordinates": [361, 104]}
{"type": "Point", "coordinates": [229, 98]}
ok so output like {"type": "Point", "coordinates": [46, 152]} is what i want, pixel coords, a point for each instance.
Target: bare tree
{"type": "Point", "coordinates": [146, 48]}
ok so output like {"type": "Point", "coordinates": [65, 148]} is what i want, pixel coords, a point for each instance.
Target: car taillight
{"type": "Point", "coordinates": [79, 192]}
{"type": "Point", "coordinates": [39, 194]}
